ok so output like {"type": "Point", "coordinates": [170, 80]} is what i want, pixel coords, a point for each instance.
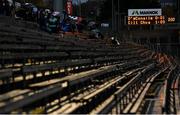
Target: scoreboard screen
{"type": "Point", "coordinates": [149, 20]}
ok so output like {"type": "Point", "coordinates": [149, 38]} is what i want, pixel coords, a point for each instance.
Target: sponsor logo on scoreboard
{"type": "Point", "coordinates": [144, 12]}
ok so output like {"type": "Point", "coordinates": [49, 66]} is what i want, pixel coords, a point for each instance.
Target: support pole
{"type": "Point", "coordinates": [58, 5]}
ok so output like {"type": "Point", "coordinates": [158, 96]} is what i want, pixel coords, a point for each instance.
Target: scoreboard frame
{"type": "Point", "coordinates": [148, 20]}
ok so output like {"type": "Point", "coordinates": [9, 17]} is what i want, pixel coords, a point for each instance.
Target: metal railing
{"type": "Point", "coordinates": [169, 106]}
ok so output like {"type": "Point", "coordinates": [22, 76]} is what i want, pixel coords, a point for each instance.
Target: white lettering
{"type": "Point", "coordinates": [144, 12]}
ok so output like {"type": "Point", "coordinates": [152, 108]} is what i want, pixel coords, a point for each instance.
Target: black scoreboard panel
{"type": "Point", "coordinates": [149, 20]}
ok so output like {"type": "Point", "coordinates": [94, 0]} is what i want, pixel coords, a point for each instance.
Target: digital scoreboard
{"type": "Point", "coordinates": [149, 20]}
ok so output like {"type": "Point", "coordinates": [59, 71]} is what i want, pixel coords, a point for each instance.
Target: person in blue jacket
{"type": "Point", "coordinates": [65, 25]}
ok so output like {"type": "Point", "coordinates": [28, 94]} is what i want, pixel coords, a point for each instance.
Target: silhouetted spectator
{"type": "Point", "coordinates": [41, 19]}
{"type": "Point", "coordinates": [1, 7]}
{"type": "Point", "coordinates": [12, 10]}
{"type": "Point", "coordinates": [34, 13]}
{"type": "Point", "coordinates": [4, 8]}
{"type": "Point", "coordinates": [114, 41]}
{"type": "Point", "coordinates": [7, 8]}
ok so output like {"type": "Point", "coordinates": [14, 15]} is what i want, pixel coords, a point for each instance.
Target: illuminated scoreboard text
{"type": "Point", "coordinates": [149, 20]}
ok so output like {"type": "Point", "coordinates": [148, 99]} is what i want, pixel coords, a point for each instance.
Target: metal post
{"type": "Point", "coordinates": [178, 10]}
{"type": "Point", "coordinates": [118, 21]}
{"type": "Point", "coordinates": [58, 5]}
{"type": "Point", "coordinates": [79, 7]}
{"type": "Point", "coordinates": [112, 15]}
{"type": "Point", "coordinates": [117, 108]}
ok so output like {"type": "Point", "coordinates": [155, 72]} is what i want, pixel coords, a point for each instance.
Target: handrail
{"type": "Point", "coordinates": [117, 95]}
{"type": "Point", "coordinates": [168, 106]}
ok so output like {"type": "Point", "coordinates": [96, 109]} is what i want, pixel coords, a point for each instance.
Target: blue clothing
{"type": "Point", "coordinates": [65, 27]}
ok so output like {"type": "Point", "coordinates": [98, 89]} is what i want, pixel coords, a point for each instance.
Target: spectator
{"type": "Point", "coordinates": [45, 19]}
{"type": "Point", "coordinates": [52, 24]}
{"type": "Point", "coordinates": [95, 33]}
{"type": "Point", "coordinates": [12, 10]}
{"type": "Point", "coordinates": [80, 25]}
{"type": "Point", "coordinates": [5, 8]}
{"type": "Point", "coordinates": [114, 41]}
{"type": "Point", "coordinates": [65, 15]}
{"type": "Point", "coordinates": [34, 13]}
{"type": "Point", "coordinates": [41, 19]}
{"type": "Point", "coordinates": [92, 25]}
{"type": "Point", "coordinates": [65, 25]}
{"type": "Point", "coordinates": [2, 7]}
{"type": "Point", "coordinates": [73, 26]}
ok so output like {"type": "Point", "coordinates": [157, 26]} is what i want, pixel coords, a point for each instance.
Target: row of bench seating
{"type": "Point", "coordinates": [26, 52]}
{"type": "Point", "coordinates": [70, 81]}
